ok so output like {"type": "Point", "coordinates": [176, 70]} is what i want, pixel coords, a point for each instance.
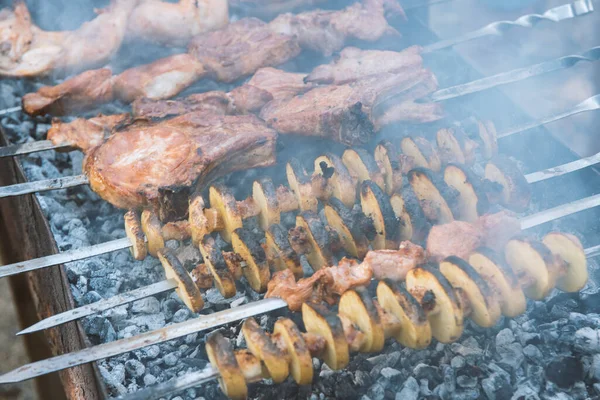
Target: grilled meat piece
{"type": "Point", "coordinates": [284, 286]}
{"type": "Point", "coordinates": [395, 264]}
{"type": "Point", "coordinates": [174, 24]}
{"type": "Point", "coordinates": [498, 228]}
{"type": "Point", "coordinates": [215, 101]}
{"type": "Point", "coordinates": [27, 50]}
{"type": "Point", "coordinates": [353, 64]}
{"type": "Point", "coordinates": [327, 31]}
{"type": "Point", "coordinates": [157, 166]}
{"type": "Point", "coordinates": [345, 113]}
{"type": "Point", "coordinates": [347, 275]}
{"type": "Point", "coordinates": [84, 134]}
{"type": "Point", "coordinates": [457, 238]}
{"type": "Point", "coordinates": [241, 48]}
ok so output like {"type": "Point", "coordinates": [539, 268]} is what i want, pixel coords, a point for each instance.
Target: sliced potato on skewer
{"type": "Point", "coordinates": [222, 358]}
{"type": "Point", "coordinates": [301, 185]}
{"type": "Point", "coordinates": [320, 253]}
{"type": "Point", "coordinates": [489, 138]}
{"type": "Point", "coordinates": [455, 147]}
{"type": "Point", "coordinates": [472, 200]}
{"type": "Point", "coordinates": [133, 230]}
{"type": "Point", "coordinates": [438, 299]}
{"type": "Point", "coordinates": [483, 302]}
{"type": "Point", "coordinates": [186, 289]}
{"type": "Point", "coordinates": [279, 252]}
{"type": "Point", "coordinates": [422, 152]}
{"type": "Point", "coordinates": [362, 166]}
{"type": "Point", "coordinates": [528, 259]}
{"type": "Point", "coordinates": [151, 227]}
{"type": "Point", "coordinates": [320, 320]}
{"type": "Point", "coordinates": [222, 200]}
{"type": "Point", "coordinates": [247, 245]}
{"type": "Point", "coordinates": [569, 249]}
{"type": "Point", "coordinates": [388, 159]}
{"type": "Point", "coordinates": [260, 344]}
{"type": "Point", "coordinates": [300, 365]}
{"type": "Point", "coordinates": [358, 306]}
{"type": "Point", "coordinates": [265, 196]}
{"type": "Point", "coordinates": [436, 198]}
{"type": "Point", "coordinates": [516, 191]}
{"type": "Point", "coordinates": [222, 276]}
{"type": "Point", "coordinates": [376, 205]}
{"type": "Point", "coordinates": [501, 279]}
{"type": "Point", "coordinates": [415, 331]}
{"type": "Point", "coordinates": [340, 219]}
{"type": "Point", "coordinates": [413, 224]}
{"type": "Point", "coordinates": [338, 178]}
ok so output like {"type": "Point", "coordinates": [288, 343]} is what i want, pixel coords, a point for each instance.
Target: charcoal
{"type": "Point", "coordinates": [149, 379]}
{"type": "Point", "coordinates": [564, 371]}
{"type": "Point", "coordinates": [587, 340]}
{"type": "Point", "coordinates": [344, 389]}
{"type": "Point", "coordinates": [424, 371]}
{"type": "Point", "coordinates": [181, 315]}
{"type": "Point", "coordinates": [240, 301]}
{"type": "Point", "coordinates": [522, 393]}
{"type": "Point", "coordinates": [170, 307]}
{"type": "Point", "coordinates": [149, 322]}
{"type": "Point", "coordinates": [362, 378]}
{"type": "Point", "coordinates": [129, 331]}
{"type": "Point", "coordinates": [458, 362]}
{"type": "Point", "coordinates": [390, 373]}
{"type": "Point", "coordinates": [496, 387]}
{"type": "Point", "coordinates": [377, 391]}
{"type": "Point", "coordinates": [135, 368]}
{"type": "Point", "coordinates": [112, 382]}
{"type": "Point", "coordinates": [533, 354]}
{"type": "Point", "coordinates": [504, 337]}
{"type": "Point", "coordinates": [151, 352]}
{"type": "Point", "coordinates": [511, 355]}
{"type": "Point", "coordinates": [382, 361]}
{"type": "Point", "coordinates": [149, 305]}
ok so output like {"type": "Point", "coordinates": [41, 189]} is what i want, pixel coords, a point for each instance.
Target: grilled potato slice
{"type": "Point", "coordinates": [455, 147]}
{"type": "Point", "coordinates": [388, 160]}
{"type": "Point", "coordinates": [186, 289]}
{"type": "Point", "coordinates": [198, 221]}
{"type": "Point", "coordinates": [436, 198]}
{"type": "Point", "coordinates": [222, 358]}
{"type": "Point", "coordinates": [413, 224]}
{"type": "Point", "coordinates": [133, 230]}
{"type": "Point", "coordinates": [252, 368]}
{"type": "Point", "coordinates": [422, 152]}
{"type": "Point", "coordinates": [320, 320]}
{"type": "Point", "coordinates": [246, 244]}
{"type": "Point", "coordinates": [152, 228]}
{"type": "Point", "coordinates": [528, 259]}
{"type": "Point", "coordinates": [338, 177]}
{"type": "Point", "coordinates": [279, 252]}
{"type": "Point", "coordinates": [415, 332]}
{"type": "Point", "coordinates": [301, 185]}
{"type": "Point", "coordinates": [489, 138]}
{"type": "Point", "coordinates": [320, 254]}
{"type": "Point", "coordinates": [222, 200]}
{"type": "Point", "coordinates": [300, 365]}
{"type": "Point", "coordinates": [340, 219]}
{"type": "Point", "coordinates": [472, 199]}
{"type": "Point", "coordinates": [362, 166]}
{"type": "Point", "coordinates": [265, 196]}
{"type": "Point", "coordinates": [427, 284]}
{"type": "Point", "coordinates": [260, 344]}
{"type": "Point", "coordinates": [516, 192]}
{"type": "Point", "coordinates": [484, 304]}
{"type": "Point", "coordinates": [358, 306]}
{"type": "Point", "coordinates": [569, 249]}
{"type": "Point", "coordinates": [376, 205]}
{"type": "Point", "coordinates": [213, 258]}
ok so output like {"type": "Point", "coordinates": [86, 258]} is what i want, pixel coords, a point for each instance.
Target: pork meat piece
{"type": "Point", "coordinates": [353, 64]}
{"type": "Point", "coordinates": [281, 85]}
{"type": "Point", "coordinates": [457, 238]}
{"type": "Point", "coordinates": [327, 31]}
{"type": "Point", "coordinates": [216, 102]}
{"type": "Point", "coordinates": [26, 50]}
{"type": "Point", "coordinates": [348, 274]}
{"type": "Point", "coordinates": [83, 134]}
{"type": "Point", "coordinates": [157, 166]}
{"type": "Point", "coordinates": [283, 285]}
{"type": "Point", "coordinates": [498, 228]}
{"type": "Point", "coordinates": [395, 264]}
{"type": "Point", "coordinates": [344, 113]}
{"type": "Point", "coordinates": [174, 24]}
{"type": "Point", "coordinates": [78, 93]}
{"type": "Point", "coordinates": [241, 48]}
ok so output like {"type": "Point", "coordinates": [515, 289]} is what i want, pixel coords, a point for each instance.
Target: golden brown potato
{"type": "Point", "coordinates": [358, 306]}
{"type": "Point", "coordinates": [338, 178]}
{"type": "Point", "coordinates": [301, 185]}
{"type": "Point", "coordinates": [569, 249]}
{"type": "Point", "coordinates": [260, 344]}
{"type": "Point", "coordinates": [362, 166]}
{"type": "Point", "coordinates": [222, 276]}
{"type": "Point", "coordinates": [279, 252]}
{"type": "Point", "coordinates": [376, 205]}
{"type": "Point", "coordinates": [222, 200]}
{"type": "Point", "coordinates": [247, 245]}
{"type": "Point", "coordinates": [151, 227]}
{"type": "Point", "coordinates": [321, 321]}
{"type": "Point", "coordinates": [529, 260]}
{"type": "Point", "coordinates": [221, 357]}
{"type": "Point", "coordinates": [422, 152]}
{"type": "Point", "coordinates": [133, 230]}
{"type": "Point", "coordinates": [186, 289]}
{"type": "Point", "coordinates": [388, 160]}
{"type": "Point", "coordinates": [348, 228]}
{"type": "Point", "coordinates": [301, 365]}
{"type": "Point", "coordinates": [265, 196]}
{"type": "Point", "coordinates": [516, 191]}
{"type": "Point", "coordinates": [472, 199]}
{"type": "Point", "coordinates": [320, 253]}
{"type": "Point", "coordinates": [436, 198]}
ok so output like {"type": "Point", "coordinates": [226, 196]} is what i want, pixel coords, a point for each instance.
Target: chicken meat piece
{"type": "Point", "coordinates": [327, 31]}
{"type": "Point", "coordinates": [83, 134]}
{"type": "Point", "coordinates": [344, 113]}
{"type": "Point", "coordinates": [457, 238]}
{"type": "Point", "coordinates": [157, 166]}
{"type": "Point", "coordinates": [283, 285]}
{"type": "Point", "coordinates": [241, 48]}
{"type": "Point", "coordinates": [353, 64]}
{"type": "Point", "coordinates": [27, 51]}
{"type": "Point", "coordinates": [498, 228]}
{"type": "Point", "coordinates": [174, 24]}
{"type": "Point", "coordinates": [395, 264]}
{"type": "Point", "coordinates": [348, 274]}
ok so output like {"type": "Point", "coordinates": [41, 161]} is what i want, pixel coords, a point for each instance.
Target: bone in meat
{"type": "Point", "coordinates": [157, 166]}
{"type": "Point", "coordinates": [84, 133]}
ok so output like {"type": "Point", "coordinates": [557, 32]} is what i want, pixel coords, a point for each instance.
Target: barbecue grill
{"type": "Point", "coordinates": [31, 231]}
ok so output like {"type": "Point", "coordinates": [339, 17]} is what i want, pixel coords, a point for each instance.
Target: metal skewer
{"type": "Point", "coordinates": [556, 14]}
{"type": "Point", "coordinates": [138, 294]}
{"type": "Point", "coordinates": [215, 320]}
{"type": "Point", "coordinates": [566, 11]}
